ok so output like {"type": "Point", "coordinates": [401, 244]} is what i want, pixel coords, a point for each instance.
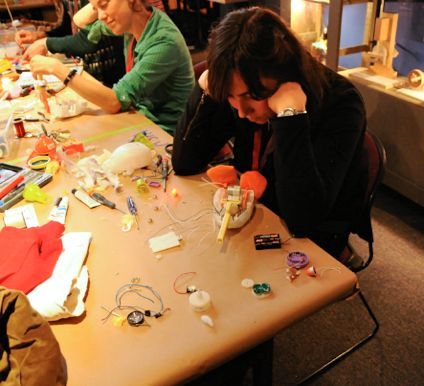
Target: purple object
{"type": "Point", "coordinates": [297, 260]}
{"type": "Point", "coordinates": [154, 184]}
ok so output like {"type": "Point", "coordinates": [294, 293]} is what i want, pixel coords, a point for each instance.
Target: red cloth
{"type": "Point", "coordinates": [130, 56]}
{"type": "Point", "coordinates": [28, 256]}
{"type": "Point", "coordinates": [253, 180]}
{"type": "Point", "coordinates": [257, 139]}
{"type": "Point", "coordinates": [224, 175]}
{"type": "Point", "coordinates": [130, 53]}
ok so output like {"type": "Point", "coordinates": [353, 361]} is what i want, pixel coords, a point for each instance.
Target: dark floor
{"type": "Point", "coordinates": [393, 287]}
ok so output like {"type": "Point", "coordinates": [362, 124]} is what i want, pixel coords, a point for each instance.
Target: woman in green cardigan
{"type": "Point", "coordinates": [159, 74]}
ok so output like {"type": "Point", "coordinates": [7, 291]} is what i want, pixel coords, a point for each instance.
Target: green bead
{"type": "Point", "coordinates": [261, 289]}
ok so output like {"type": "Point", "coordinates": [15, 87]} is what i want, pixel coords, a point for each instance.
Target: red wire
{"type": "Point", "coordinates": [177, 278]}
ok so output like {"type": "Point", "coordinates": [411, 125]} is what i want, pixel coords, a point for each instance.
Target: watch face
{"type": "Point", "coordinates": [287, 112]}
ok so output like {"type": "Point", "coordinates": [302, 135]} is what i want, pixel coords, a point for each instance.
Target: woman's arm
{"type": "Point", "coordinates": [201, 132]}
{"type": "Point", "coordinates": [140, 87]}
{"type": "Point", "coordinates": [312, 159]}
{"type": "Point", "coordinates": [85, 16]}
{"type": "Point", "coordinates": [72, 45]}
{"type": "Point", "coordinates": [84, 84]}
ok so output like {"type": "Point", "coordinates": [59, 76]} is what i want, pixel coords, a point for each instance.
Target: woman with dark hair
{"type": "Point", "coordinates": [294, 121]}
{"type": "Point", "coordinates": [159, 74]}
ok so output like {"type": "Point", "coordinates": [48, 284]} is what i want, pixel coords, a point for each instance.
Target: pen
{"type": "Point", "coordinates": [44, 130]}
{"type": "Point", "coordinates": [10, 186]}
{"type": "Point", "coordinates": [165, 171]}
{"type": "Point", "coordinates": [133, 209]}
{"type": "Point", "coordinates": [14, 196]}
{"type": "Point", "coordinates": [41, 88]}
{"type": "Point", "coordinates": [104, 201]}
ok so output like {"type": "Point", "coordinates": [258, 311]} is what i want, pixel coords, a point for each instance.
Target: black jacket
{"type": "Point", "coordinates": [315, 181]}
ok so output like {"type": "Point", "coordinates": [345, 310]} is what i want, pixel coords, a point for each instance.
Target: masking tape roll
{"type": "Point", "coordinates": [416, 79]}
{"type": "Point", "coordinates": [200, 300]}
{"type": "Point", "coordinates": [39, 162]}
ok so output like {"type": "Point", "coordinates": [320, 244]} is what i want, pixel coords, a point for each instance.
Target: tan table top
{"type": "Point", "coordinates": [178, 345]}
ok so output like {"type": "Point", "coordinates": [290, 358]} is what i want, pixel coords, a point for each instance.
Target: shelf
{"type": "Point", "coordinates": [27, 4]}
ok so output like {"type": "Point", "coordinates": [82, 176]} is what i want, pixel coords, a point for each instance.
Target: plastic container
{"type": "Point", "coordinates": [6, 136]}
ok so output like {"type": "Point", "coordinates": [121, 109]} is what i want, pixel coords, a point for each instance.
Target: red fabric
{"type": "Point", "coordinates": [130, 56]}
{"type": "Point", "coordinates": [224, 175]}
{"type": "Point", "coordinates": [255, 181]}
{"type": "Point", "coordinates": [256, 149]}
{"type": "Point", "coordinates": [28, 256]}
{"type": "Point", "coordinates": [157, 4]}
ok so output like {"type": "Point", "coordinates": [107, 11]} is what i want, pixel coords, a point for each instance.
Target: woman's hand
{"type": "Point", "coordinates": [39, 47]}
{"type": "Point", "coordinates": [289, 94]}
{"type": "Point", "coordinates": [43, 65]}
{"type": "Point", "coordinates": [27, 37]}
{"type": "Point", "coordinates": [203, 81]}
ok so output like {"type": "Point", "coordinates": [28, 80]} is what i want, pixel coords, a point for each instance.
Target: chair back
{"type": "Point", "coordinates": [373, 159]}
{"type": "Point", "coordinates": [199, 68]}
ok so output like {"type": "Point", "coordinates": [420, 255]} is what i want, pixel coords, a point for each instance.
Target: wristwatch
{"type": "Point", "coordinates": [289, 111]}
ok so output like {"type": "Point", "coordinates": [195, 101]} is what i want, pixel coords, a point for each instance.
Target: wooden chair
{"type": "Point", "coordinates": [199, 68]}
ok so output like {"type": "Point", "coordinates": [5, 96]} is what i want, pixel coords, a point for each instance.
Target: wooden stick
{"type": "Point", "coordinates": [233, 198]}
{"type": "Point", "coordinates": [42, 92]}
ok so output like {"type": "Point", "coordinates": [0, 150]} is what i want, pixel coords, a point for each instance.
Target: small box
{"type": "Point", "coordinates": [267, 241]}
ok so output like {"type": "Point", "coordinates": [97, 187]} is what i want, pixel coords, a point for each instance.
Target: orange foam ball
{"type": "Point", "coordinates": [255, 181]}
{"type": "Point", "coordinates": [223, 174]}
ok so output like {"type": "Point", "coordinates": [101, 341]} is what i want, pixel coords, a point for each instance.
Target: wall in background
{"type": "Point", "coordinates": [410, 34]}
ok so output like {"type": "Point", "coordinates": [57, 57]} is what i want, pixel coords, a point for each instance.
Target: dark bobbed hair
{"type": "Point", "coordinates": [257, 43]}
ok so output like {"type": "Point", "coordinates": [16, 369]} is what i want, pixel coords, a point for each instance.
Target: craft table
{"type": "Point", "coordinates": [178, 346]}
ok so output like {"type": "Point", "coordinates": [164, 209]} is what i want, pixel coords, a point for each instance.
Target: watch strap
{"type": "Point", "coordinates": [70, 75]}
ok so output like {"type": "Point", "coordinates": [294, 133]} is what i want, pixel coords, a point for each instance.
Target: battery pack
{"type": "Point", "coordinates": [267, 241]}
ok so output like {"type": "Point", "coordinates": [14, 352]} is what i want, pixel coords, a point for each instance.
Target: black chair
{"type": "Point", "coordinates": [374, 159]}
{"type": "Point", "coordinates": [193, 19]}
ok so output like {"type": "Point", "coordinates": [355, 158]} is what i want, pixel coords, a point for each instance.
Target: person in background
{"type": "Point", "coordinates": [159, 74]}
{"type": "Point", "coordinates": [103, 59]}
{"type": "Point", "coordinates": [294, 122]}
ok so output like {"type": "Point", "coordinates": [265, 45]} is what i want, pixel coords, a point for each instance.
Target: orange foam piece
{"type": "Point", "coordinates": [223, 174]}
{"type": "Point", "coordinates": [255, 181]}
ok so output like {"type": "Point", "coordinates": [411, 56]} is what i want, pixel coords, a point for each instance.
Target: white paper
{"type": "Point", "coordinates": [24, 213]}
{"type": "Point", "coordinates": [166, 241]}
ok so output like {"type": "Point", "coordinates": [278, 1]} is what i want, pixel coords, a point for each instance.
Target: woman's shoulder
{"type": "Point", "coordinates": [163, 22]}
{"type": "Point", "coordinates": [338, 83]}
{"type": "Point", "coordinates": [163, 31]}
